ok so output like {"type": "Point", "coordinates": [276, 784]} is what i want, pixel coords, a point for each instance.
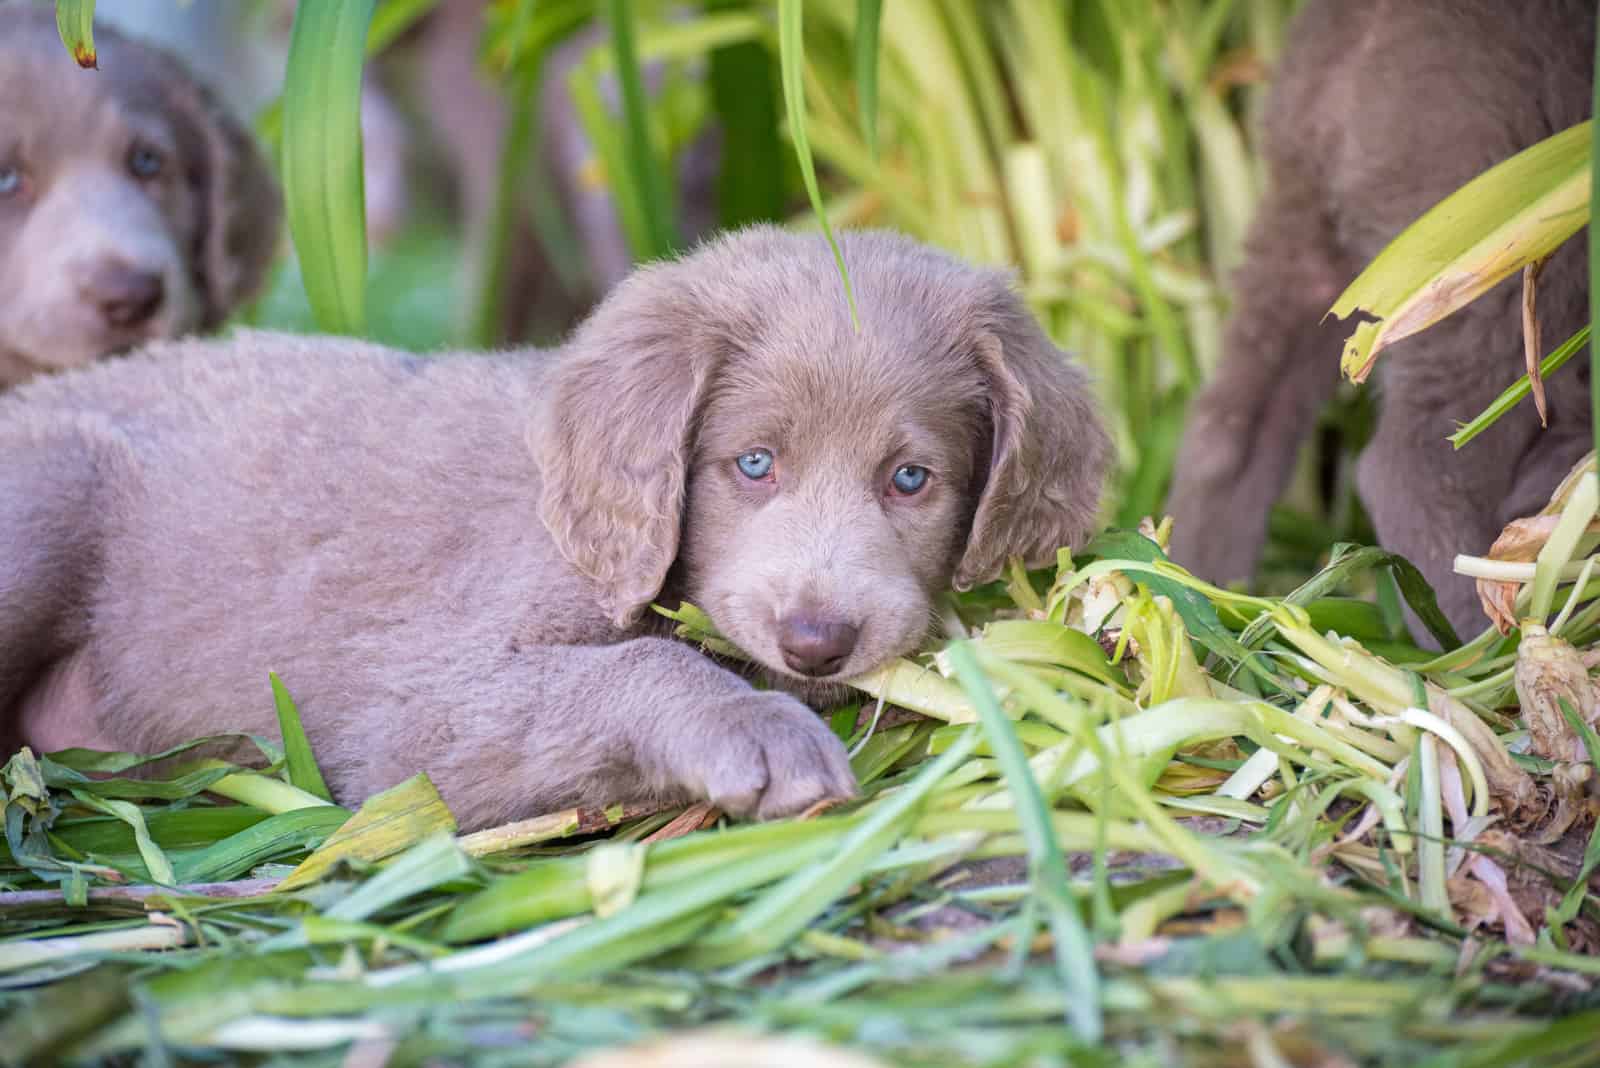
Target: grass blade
{"type": "Point", "coordinates": [751, 186]}
{"type": "Point", "coordinates": [780, 914]}
{"type": "Point", "coordinates": [869, 20]}
{"type": "Point", "coordinates": [387, 823]}
{"type": "Point", "coordinates": [1073, 947]}
{"type": "Point", "coordinates": [1514, 214]}
{"type": "Point", "coordinates": [300, 763]}
{"type": "Point", "coordinates": [643, 165]}
{"type": "Point", "coordinates": [279, 837]}
{"type": "Point", "coordinates": [1519, 390]}
{"type": "Point", "coordinates": [392, 19]}
{"type": "Point", "coordinates": [427, 864]}
{"type": "Point", "coordinates": [791, 55]}
{"type": "Point", "coordinates": [321, 158]}
{"type": "Point", "coordinates": [1594, 259]}
{"type": "Point", "coordinates": [558, 889]}
{"type": "Point", "coordinates": [155, 861]}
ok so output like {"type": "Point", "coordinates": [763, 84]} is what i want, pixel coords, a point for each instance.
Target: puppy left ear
{"type": "Point", "coordinates": [243, 208]}
{"type": "Point", "coordinates": [616, 430]}
{"type": "Point", "coordinates": [1050, 450]}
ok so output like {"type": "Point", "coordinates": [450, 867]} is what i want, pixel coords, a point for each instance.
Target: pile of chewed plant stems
{"type": "Point", "coordinates": [1123, 817]}
{"type": "Point", "coordinates": [1114, 816]}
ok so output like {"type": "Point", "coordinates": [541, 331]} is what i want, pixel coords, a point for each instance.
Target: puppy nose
{"type": "Point", "coordinates": [125, 296]}
{"type": "Point", "coordinates": [815, 646]}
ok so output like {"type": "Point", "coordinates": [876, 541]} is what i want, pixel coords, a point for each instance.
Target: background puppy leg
{"type": "Point", "coordinates": [1280, 366]}
{"type": "Point", "coordinates": [647, 720]}
{"type": "Point", "coordinates": [1428, 501]}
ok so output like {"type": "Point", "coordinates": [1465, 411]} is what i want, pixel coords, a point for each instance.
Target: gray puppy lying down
{"type": "Point", "coordinates": [1379, 110]}
{"type": "Point", "coordinates": [449, 560]}
{"type": "Point", "coordinates": [132, 206]}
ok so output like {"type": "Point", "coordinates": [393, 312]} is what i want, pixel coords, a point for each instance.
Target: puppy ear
{"type": "Point", "coordinates": [1050, 451]}
{"type": "Point", "coordinates": [615, 434]}
{"type": "Point", "coordinates": [241, 206]}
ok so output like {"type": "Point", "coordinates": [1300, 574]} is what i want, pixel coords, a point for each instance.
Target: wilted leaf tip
{"type": "Point", "coordinates": [75, 25]}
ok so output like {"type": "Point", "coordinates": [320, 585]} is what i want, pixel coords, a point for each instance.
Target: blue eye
{"type": "Point", "coordinates": [909, 479]}
{"type": "Point", "coordinates": [755, 464]}
{"type": "Point", "coordinates": [10, 180]}
{"type": "Point", "coordinates": [144, 162]}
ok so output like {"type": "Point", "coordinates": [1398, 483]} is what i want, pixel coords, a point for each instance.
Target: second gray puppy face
{"type": "Point", "coordinates": [131, 206]}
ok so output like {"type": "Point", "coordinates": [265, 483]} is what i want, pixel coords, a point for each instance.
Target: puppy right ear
{"type": "Point", "coordinates": [615, 432]}
{"type": "Point", "coordinates": [243, 204]}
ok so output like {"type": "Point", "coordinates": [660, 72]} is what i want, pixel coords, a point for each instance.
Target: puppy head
{"type": "Point", "coordinates": [131, 206]}
{"type": "Point", "coordinates": [816, 486]}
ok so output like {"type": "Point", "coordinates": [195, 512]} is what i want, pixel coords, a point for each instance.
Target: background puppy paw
{"type": "Point", "coordinates": [768, 755]}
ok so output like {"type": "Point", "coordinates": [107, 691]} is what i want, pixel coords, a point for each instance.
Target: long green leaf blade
{"type": "Point", "coordinates": [1511, 215]}
{"type": "Point", "coordinates": [275, 837]}
{"type": "Point", "coordinates": [321, 155]}
{"type": "Point", "coordinates": [1594, 260]}
{"type": "Point", "coordinates": [643, 165]}
{"type": "Point", "coordinates": [750, 187]}
{"type": "Point", "coordinates": [869, 20]}
{"type": "Point", "coordinates": [386, 823]}
{"type": "Point", "coordinates": [155, 861]}
{"type": "Point", "coordinates": [791, 55]}
{"type": "Point", "coordinates": [1520, 390]}
{"type": "Point", "coordinates": [301, 764]}
{"type": "Point", "coordinates": [1074, 948]}
{"type": "Point", "coordinates": [780, 913]}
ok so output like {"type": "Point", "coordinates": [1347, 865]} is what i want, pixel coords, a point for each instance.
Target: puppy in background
{"type": "Point", "coordinates": [132, 207]}
{"type": "Point", "coordinates": [449, 561]}
{"type": "Point", "coordinates": [1381, 109]}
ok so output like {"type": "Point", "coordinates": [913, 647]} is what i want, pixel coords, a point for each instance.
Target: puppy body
{"type": "Point", "coordinates": [1380, 109]}
{"type": "Point", "coordinates": [447, 560]}
{"type": "Point", "coordinates": [131, 206]}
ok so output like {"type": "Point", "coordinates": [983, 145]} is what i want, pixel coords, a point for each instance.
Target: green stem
{"type": "Point", "coordinates": [1594, 255]}
{"type": "Point", "coordinates": [640, 154]}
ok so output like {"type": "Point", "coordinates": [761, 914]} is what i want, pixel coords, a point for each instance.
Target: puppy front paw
{"type": "Point", "coordinates": [766, 755]}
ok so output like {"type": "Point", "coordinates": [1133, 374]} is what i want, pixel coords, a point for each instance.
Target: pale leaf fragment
{"type": "Point", "coordinates": [1512, 215]}
{"type": "Point", "coordinates": [1549, 671]}
{"type": "Point", "coordinates": [1531, 353]}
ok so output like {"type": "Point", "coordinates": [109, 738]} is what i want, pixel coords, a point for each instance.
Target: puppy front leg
{"type": "Point", "coordinates": [643, 721]}
{"type": "Point", "coordinates": [1429, 502]}
{"type": "Point", "coordinates": [1280, 366]}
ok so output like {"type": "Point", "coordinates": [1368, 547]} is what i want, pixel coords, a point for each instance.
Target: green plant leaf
{"type": "Point", "coordinates": [869, 18]}
{"type": "Point", "coordinates": [1519, 390]}
{"type": "Point", "coordinates": [393, 18]}
{"type": "Point", "coordinates": [791, 55]}
{"type": "Point", "coordinates": [431, 862]}
{"type": "Point", "coordinates": [75, 24]}
{"type": "Point", "coordinates": [301, 764]}
{"type": "Point", "coordinates": [778, 914]}
{"type": "Point", "coordinates": [275, 838]}
{"type": "Point", "coordinates": [639, 151]}
{"type": "Point", "coordinates": [321, 158]}
{"type": "Point", "coordinates": [1594, 260]}
{"type": "Point", "coordinates": [1350, 560]}
{"type": "Point", "coordinates": [155, 861]}
{"type": "Point", "coordinates": [385, 824]}
{"type": "Point", "coordinates": [1514, 214]}
{"type": "Point", "coordinates": [1199, 615]}
{"type": "Point", "coordinates": [1074, 949]}
{"type": "Point", "coordinates": [750, 187]}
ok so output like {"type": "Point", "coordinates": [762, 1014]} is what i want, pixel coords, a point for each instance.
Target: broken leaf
{"type": "Point", "coordinates": [1512, 215]}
